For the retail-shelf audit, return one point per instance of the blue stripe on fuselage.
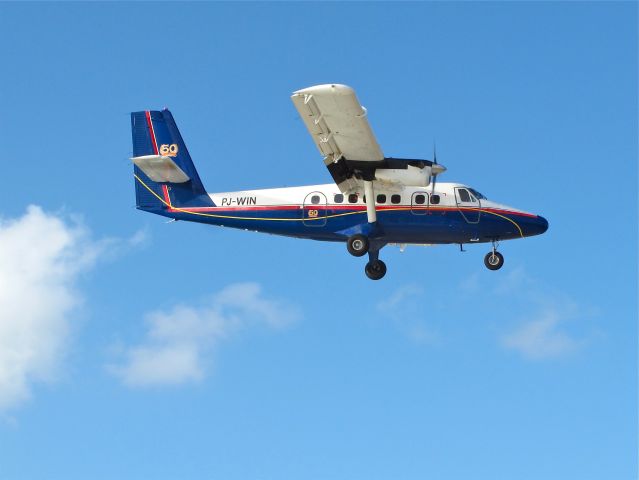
(398, 225)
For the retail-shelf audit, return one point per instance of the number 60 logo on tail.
(169, 150)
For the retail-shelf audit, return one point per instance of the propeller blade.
(433, 172)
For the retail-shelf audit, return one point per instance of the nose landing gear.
(494, 260)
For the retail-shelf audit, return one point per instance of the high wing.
(338, 125)
(337, 122)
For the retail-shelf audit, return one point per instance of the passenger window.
(352, 198)
(396, 199)
(381, 198)
(434, 199)
(463, 195)
(315, 199)
(339, 198)
(420, 199)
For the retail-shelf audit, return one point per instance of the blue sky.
(130, 348)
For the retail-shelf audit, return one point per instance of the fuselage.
(450, 213)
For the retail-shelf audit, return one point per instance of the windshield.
(477, 194)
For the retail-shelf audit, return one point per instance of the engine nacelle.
(410, 176)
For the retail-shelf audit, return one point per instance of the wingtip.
(334, 88)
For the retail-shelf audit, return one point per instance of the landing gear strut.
(359, 244)
(493, 259)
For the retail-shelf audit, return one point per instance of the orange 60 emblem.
(168, 150)
(312, 213)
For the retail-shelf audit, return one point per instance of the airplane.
(373, 201)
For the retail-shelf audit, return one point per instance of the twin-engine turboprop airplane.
(375, 200)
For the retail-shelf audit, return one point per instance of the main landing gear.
(493, 259)
(375, 269)
(358, 245)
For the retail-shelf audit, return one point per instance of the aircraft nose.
(537, 226)
(543, 224)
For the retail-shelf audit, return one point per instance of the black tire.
(375, 270)
(494, 261)
(357, 245)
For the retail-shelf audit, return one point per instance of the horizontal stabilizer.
(160, 169)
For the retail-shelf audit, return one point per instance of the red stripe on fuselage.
(151, 131)
(355, 208)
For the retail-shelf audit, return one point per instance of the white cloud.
(538, 321)
(542, 337)
(549, 332)
(41, 256)
(408, 309)
(178, 343)
(400, 299)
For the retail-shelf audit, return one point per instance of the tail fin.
(165, 176)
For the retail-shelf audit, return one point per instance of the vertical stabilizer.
(165, 175)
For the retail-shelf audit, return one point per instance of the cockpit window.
(464, 196)
(477, 194)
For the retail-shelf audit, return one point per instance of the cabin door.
(419, 203)
(468, 205)
(314, 209)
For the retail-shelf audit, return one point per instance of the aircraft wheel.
(375, 269)
(494, 260)
(357, 245)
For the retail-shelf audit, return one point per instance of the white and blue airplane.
(374, 201)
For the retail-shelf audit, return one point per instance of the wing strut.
(369, 193)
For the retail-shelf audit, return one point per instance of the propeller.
(435, 169)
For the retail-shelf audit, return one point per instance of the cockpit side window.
(464, 195)
(477, 194)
